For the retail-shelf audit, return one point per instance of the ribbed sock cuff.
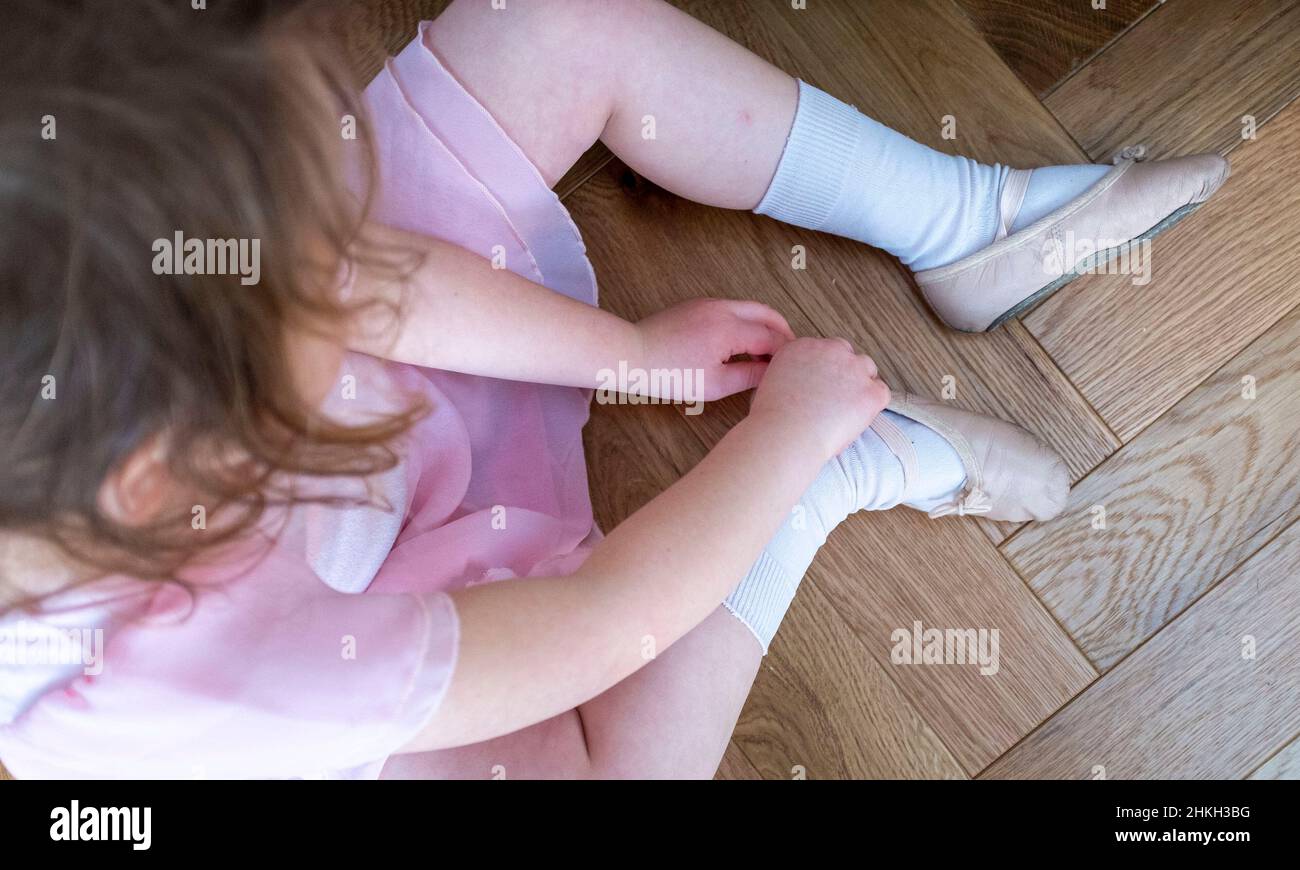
(762, 597)
(818, 154)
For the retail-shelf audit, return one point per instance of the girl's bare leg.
(671, 719)
(677, 101)
(704, 118)
(558, 76)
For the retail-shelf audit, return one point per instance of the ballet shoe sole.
(1100, 258)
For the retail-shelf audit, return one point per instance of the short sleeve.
(275, 675)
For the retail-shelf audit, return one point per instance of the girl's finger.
(735, 377)
(760, 313)
(756, 339)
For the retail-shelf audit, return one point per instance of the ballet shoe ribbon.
(1130, 152)
(976, 501)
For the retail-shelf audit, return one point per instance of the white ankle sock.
(866, 476)
(1051, 187)
(940, 472)
(847, 174)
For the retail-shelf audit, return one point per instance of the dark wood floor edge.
(740, 747)
(567, 186)
(1014, 76)
(1155, 6)
(1259, 123)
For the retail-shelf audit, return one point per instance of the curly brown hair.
(120, 124)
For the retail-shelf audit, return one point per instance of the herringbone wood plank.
(1046, 40)
(1184, 503)
(1183, 79)
(1213, 695)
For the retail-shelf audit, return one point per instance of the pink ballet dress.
(321, 653)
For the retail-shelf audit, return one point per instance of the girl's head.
(128, 395)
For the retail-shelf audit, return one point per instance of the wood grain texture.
(823, 708)
(905, 64)
(1183, 77)
(1284, 765)
(1218, 280)
(1044, 41)
(1185, 502)
(735, 766)
(1189, 703)
(946, 576)
(819, 703)
(591, 162)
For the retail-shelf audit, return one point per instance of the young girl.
(335, 522)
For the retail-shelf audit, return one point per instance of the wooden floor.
(1164, 642)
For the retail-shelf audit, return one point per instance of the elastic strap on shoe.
(900, 445)
(1013, 197)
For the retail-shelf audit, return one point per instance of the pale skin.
(557, 77)
(552, 677)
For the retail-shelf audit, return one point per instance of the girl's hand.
(700, 335)
(819, 388)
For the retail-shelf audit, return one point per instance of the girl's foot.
(896, 461)
(1032, 256)
(985, 241)
(1009, 473)
(922, 454)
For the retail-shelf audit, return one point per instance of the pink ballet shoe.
(1130, 203)
(1010, 474)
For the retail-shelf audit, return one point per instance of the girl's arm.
(460, 314)
(531, 649)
